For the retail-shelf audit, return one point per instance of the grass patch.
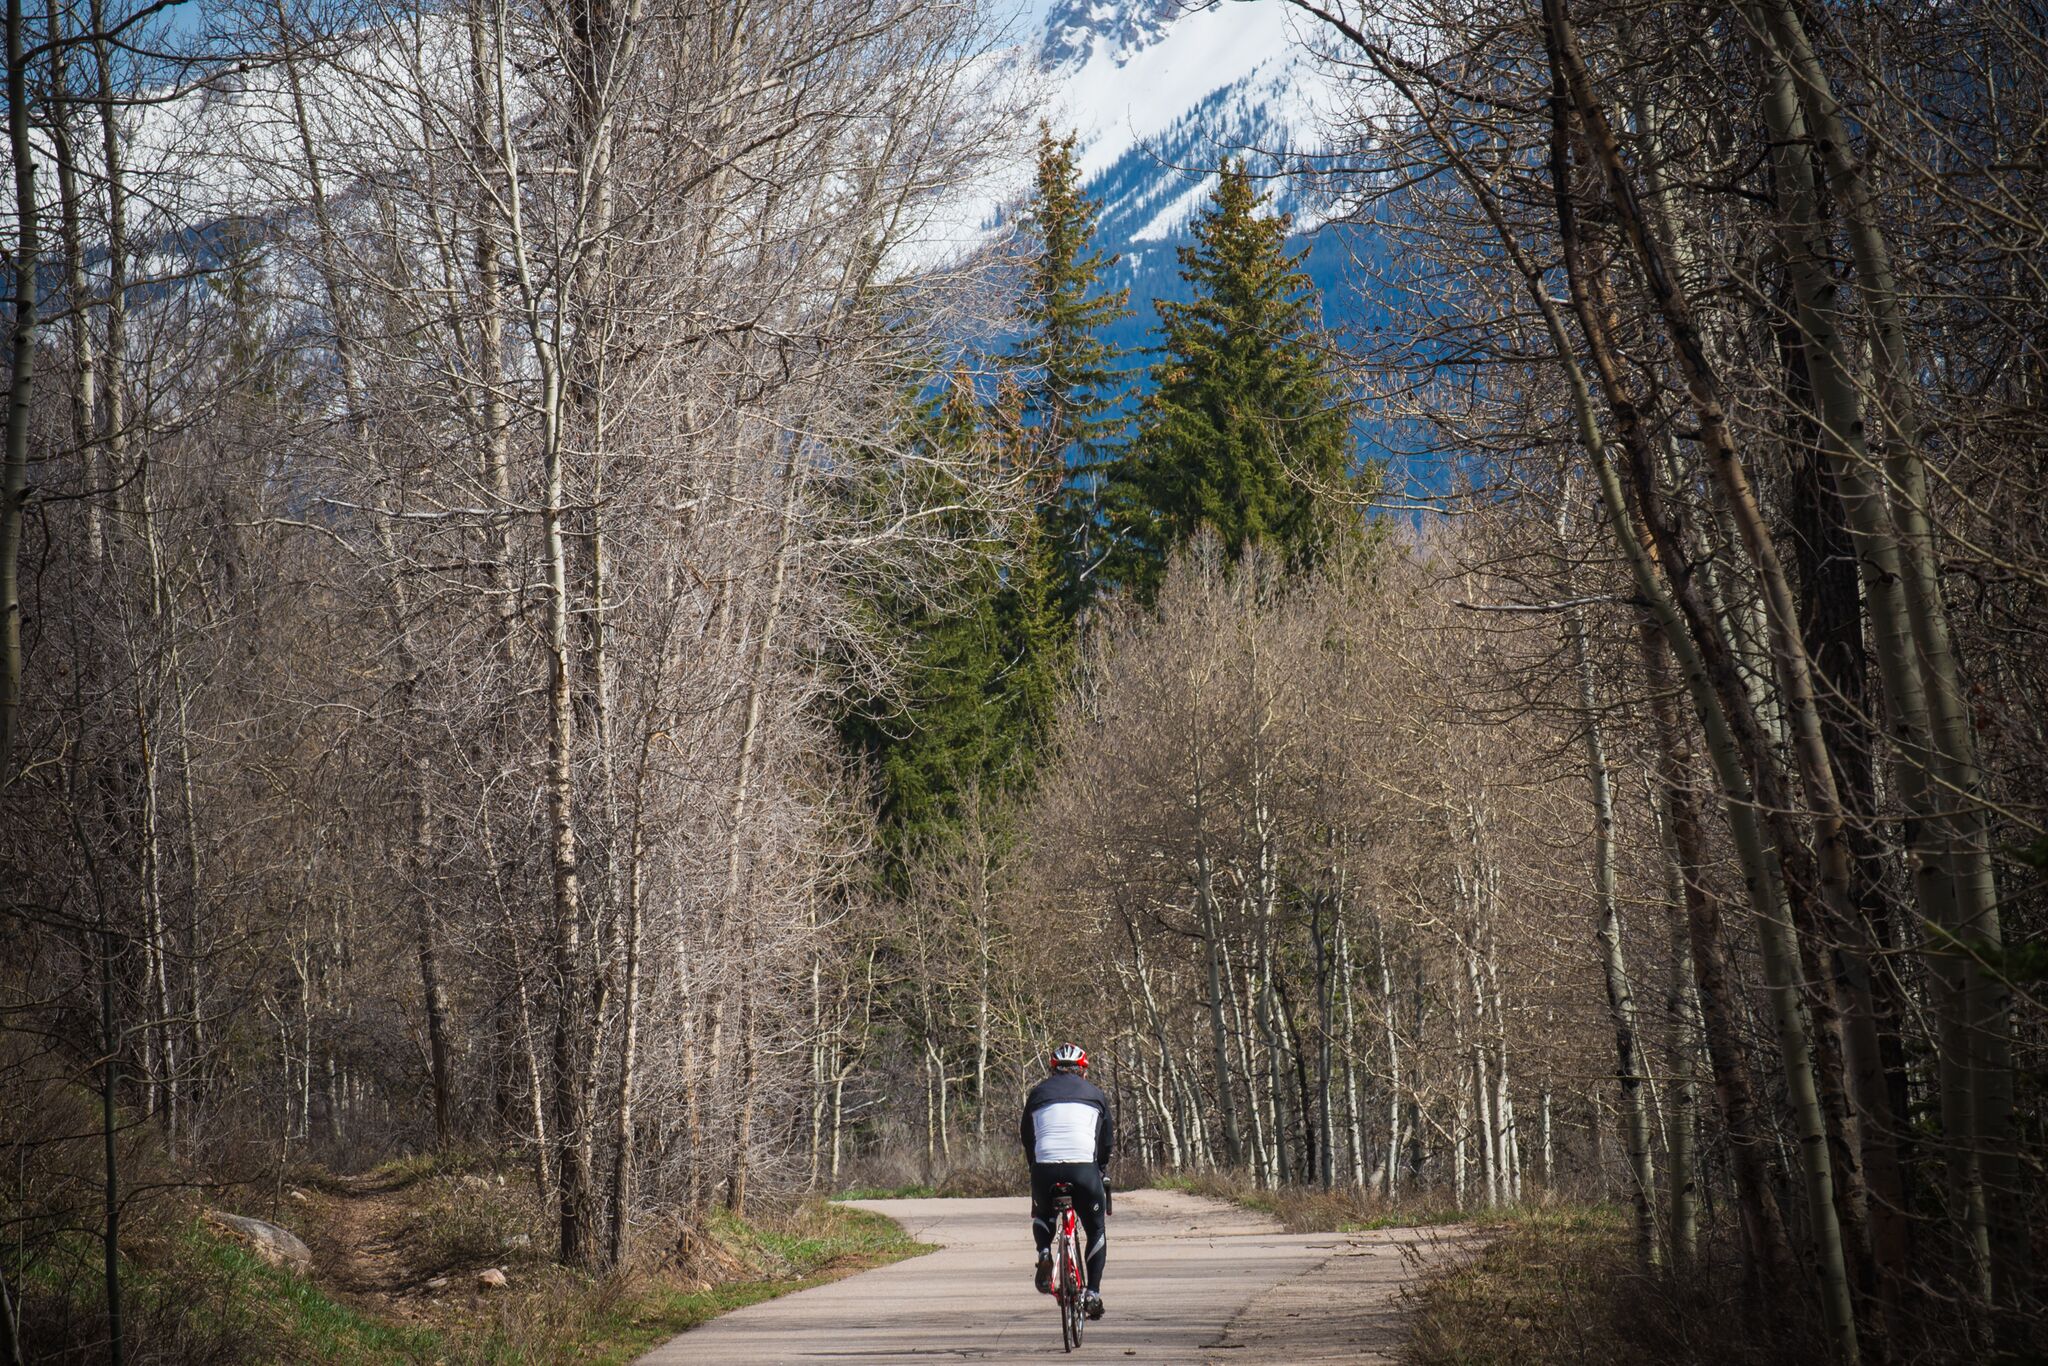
(888, 1193)
(191, 1296)
(297, 1320)
(813, 1244)
(1523, 1298)
(815, 1236)
(1562, 1285)
(397, 1173)
(409, 1169)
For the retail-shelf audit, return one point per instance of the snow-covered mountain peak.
(1075, 30)
(1159, 91)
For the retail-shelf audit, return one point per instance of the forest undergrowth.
(977, 1170)
(1561, 1284)
(398, 1253)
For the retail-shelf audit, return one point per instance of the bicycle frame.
(1069, 1268)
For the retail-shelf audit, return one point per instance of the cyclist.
(1067, 1135)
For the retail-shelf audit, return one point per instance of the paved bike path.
(1181, 1268)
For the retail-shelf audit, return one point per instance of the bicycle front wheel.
(1062, 1292)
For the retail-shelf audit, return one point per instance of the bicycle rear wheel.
(1077, 1291)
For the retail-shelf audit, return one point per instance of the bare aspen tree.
(24, 262)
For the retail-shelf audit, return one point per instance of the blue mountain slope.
(1158, 97)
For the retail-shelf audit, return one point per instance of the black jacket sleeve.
(1024, 1130)
(1105, 1138)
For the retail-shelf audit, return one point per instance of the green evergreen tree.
(970, 716)
(1033, 615)
(1072, 382)
(1245, 421)
(970, 713)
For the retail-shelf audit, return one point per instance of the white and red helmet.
(1070, 1056)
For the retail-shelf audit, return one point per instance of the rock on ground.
(277, 1246)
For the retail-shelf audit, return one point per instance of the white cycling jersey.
(1065, 1132)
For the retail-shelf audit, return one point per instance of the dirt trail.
(1190, 1281)
(356, 1234)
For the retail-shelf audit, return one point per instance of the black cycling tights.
(1086, 1179)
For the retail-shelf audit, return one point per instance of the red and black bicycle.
(1069, 1266)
